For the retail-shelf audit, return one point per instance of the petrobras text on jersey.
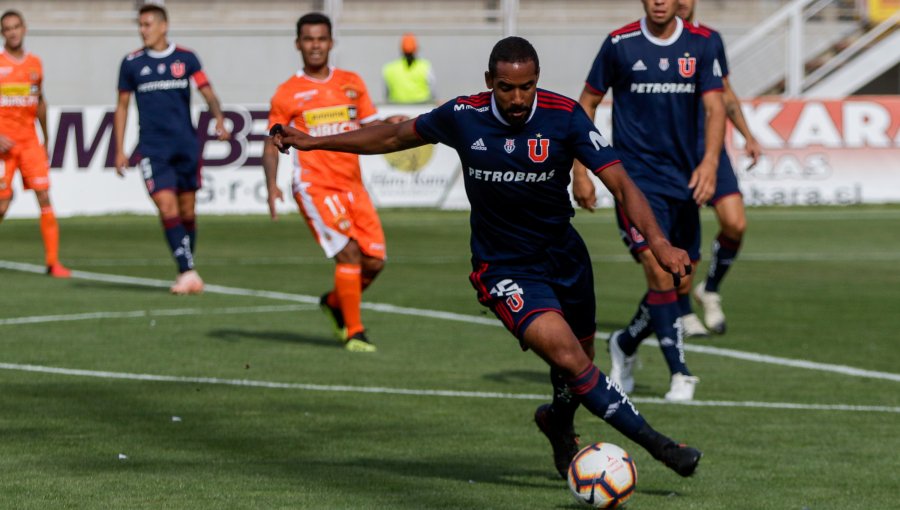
(663, 88)
(333, 129)
(152, 86)
(509, 175)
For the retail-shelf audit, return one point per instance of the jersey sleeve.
(721, 62)
(438, 125)
(195, 70)
(279, 113)
(366, 111)
(591, 148)
(710, 74)
(600, 77)
(126, 79)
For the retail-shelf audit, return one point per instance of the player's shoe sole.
(563, 440)
(693, 328)
(711, 302)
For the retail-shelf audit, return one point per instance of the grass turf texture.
(818, 284)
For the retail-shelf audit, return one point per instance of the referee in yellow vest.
(409, 80)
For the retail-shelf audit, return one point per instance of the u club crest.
(687, 66)
(510, 145)
(538, 149)
(177, 69)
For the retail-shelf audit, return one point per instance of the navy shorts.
(561, 280)
(678, 219)
(726, 180)
(176, 169)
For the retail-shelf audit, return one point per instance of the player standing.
(530, 267)
(662, 71)
(323, 100)
(159, 75)
(727, 200)
(21, 101)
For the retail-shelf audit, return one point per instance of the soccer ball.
(602, 475)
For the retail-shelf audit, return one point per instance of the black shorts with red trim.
(561, 280)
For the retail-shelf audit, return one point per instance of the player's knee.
(735, 229)
(4, 206)
(372, 266)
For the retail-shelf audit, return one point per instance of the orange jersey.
(20, 92)
(334, 105)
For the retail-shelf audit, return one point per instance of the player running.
(159, 75)
(727, 201)
(530, 267)
(662, 70)
(21, 101)
(323, 100)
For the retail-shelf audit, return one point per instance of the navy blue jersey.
(160, 81)
(517, 178)
(657, 96)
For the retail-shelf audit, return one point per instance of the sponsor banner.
(815, 152)
(881, 10)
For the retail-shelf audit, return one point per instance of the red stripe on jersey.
(200, 79)
(701, 30)
(604, 167)
(543, 94)
(595, 91)
(416, 131)
(553, 106)
(631, 27)
(719, 89)
(561, 101)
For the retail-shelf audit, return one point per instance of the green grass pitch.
(97, 368)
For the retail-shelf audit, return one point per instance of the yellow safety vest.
(407, 84)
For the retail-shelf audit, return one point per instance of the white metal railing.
(852, 50)
(792, 18)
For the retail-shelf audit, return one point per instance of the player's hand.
(703, 181)
(274, 194)
(584, 191)
(222, 134)
(285, 137)
(5, 144)
(673, 260)
(121, 164)
(753, 150)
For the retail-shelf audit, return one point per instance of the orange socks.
(348, 291)
(50, 233)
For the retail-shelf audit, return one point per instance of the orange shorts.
(336, 216)
(30, 158)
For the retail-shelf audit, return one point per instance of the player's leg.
(550, 337)
(7, 170)
(733, 223)
(35, 170)
(187, 201)
(690, 322)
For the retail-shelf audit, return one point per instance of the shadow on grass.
(291, 337)
(518, 376)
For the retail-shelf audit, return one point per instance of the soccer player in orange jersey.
(21, 101)
(323, 100)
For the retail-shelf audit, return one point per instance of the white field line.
(37, 319)
(419, 392)
(469, 319)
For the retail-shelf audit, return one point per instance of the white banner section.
(816, 152)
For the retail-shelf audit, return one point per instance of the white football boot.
(692, 326)
(682, 388)
(621, 371)
(712, 308)
(188, 282)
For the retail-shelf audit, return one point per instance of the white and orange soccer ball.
(602, 475)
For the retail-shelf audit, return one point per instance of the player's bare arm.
(42, 120)
(673, 260)
(372, 140)
(736, 115)
(703, 180)
(120, 118)
(215, 108)
(270, 166)
(393, 119)
(582, 186)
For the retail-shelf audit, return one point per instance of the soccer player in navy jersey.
(516, 144)
(661, 70)
(159, 75)
(727, 200)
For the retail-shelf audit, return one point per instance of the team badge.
(510, 145)
(177, 69)
(538, 149)
(663, 64)
(351, 93)
(687, 66)
(161, 68)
